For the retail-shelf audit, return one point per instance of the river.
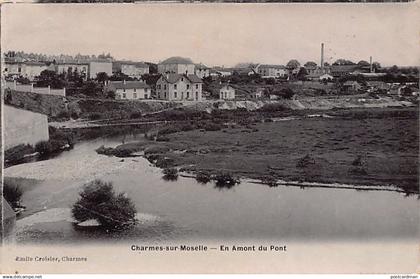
(187, 210)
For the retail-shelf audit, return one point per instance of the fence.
(39, 90)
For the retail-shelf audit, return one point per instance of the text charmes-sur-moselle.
(205, 248)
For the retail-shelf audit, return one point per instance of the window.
(19, 69)
(145, 96)
(123, 89)
(196, 96)
(124, 96)
(174, 86)
(135, 95)
(164, 86)
(5, 69)
(188, 86)
(175, 95)
(188, 95)
(196, 86)
(158, 87)
(134, 89)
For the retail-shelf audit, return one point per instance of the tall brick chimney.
(322, 56)
(370, 64)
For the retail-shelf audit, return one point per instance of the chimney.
(371, 66)
(322, 56)
(124, 82)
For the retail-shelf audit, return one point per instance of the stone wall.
(23, 127)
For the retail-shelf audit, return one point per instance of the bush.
(203, 177)
(225, 180)
(94, 116)
(99, 202)
(44, 148)
(170, 174)
(18, 152)
(12, 193)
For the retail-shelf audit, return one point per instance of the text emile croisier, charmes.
(51, 259)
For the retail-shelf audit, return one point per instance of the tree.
(91, 88)
(363, 63)
(102, 77)
(310, 64)
(98, 201)
(302, 73)
(50, 78)
(343, 62)
(293, 64)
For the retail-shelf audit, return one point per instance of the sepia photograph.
(242, 138)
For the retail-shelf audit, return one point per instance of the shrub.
(135, 115)
(170, 174)
(63, 115)
(18, 152)
(203, 177)
(12, 193)
(94, 116)
(225, 180)
(99, 202)
(43, 148)
(109, 151)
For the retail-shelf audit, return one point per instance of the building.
(129, 90)
(351, 86)
(227, 92)
(272, 71)
(202, 71)
(179, 87)
(99, 66)
(71, 67)
(326, 77)
(177, 65)
(27, 69)
(220, 72)
(338, 71)
(257, 94)
(131, 69)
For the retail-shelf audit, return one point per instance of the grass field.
(368, 151)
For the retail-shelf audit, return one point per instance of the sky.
(218, 34)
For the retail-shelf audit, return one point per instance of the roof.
(343, 68)
(201, 67)
(173, 78)
(350, 82)
(127, 85)
(177, 60)
(272, 66)
(137, 64)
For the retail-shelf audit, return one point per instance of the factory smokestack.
(322, 56)
(371, 66)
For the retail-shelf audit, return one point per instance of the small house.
(129, 90)
(227, 92)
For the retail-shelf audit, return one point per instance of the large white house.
(129, 90)
(27, 69)
(177, 87)
(227, 92)
(177, 65)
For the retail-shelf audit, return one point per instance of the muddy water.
(187, 210)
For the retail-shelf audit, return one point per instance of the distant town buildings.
(177, 65)
(131, 69)
(71, 67)
(202, 71)
(129, 90)
(179, 87)
(99, 66)
(272, 71)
